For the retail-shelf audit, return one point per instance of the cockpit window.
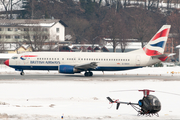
(14, 57)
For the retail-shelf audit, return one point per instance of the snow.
(85, 98)
(40, 24)
(178, 47)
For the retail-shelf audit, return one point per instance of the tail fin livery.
(157, 44)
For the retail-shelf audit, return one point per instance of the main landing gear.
(88, 74)
(22, 73)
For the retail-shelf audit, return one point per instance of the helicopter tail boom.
(118, 102)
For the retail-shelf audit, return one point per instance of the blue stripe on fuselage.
(56, 68)
(115, 68)
(35, 67)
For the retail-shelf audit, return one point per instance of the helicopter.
(149, 105)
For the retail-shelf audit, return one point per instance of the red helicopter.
(149, 104)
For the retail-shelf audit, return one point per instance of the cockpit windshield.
(14, 57)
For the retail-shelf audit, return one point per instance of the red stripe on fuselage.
(163, 33)
(29, 56)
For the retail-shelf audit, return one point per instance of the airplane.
(77, 62)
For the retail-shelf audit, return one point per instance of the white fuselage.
(105, 61)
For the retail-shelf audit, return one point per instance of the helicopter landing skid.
(141, 113)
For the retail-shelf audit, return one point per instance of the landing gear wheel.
(88, 74)
(22, 73)
(91, 73)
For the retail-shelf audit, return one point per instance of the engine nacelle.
(68, 69)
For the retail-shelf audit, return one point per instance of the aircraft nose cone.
(6, 62)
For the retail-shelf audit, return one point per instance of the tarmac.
(81, 77)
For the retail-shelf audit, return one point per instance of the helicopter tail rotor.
(116, 101)
(110, 100)
(117, 107)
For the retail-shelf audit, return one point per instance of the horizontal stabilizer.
(163, 57)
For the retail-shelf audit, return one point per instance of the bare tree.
(77, 28)
(2, 43)
(114, 28)
(8, 6)
(143, 26)
(35, 35)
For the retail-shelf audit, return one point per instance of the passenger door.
(138, 60)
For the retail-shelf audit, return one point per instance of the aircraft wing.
(87, 66)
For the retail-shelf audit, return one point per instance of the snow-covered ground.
(84, 99)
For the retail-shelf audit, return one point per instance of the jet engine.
(68, 69)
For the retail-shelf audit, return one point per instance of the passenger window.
(49, 58)
(62, 58)
(54, 58)
(57, 58)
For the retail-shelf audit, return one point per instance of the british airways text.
(44, 62)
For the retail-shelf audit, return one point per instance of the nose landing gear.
(22, 73)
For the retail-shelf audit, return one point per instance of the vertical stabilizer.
(157, 44)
